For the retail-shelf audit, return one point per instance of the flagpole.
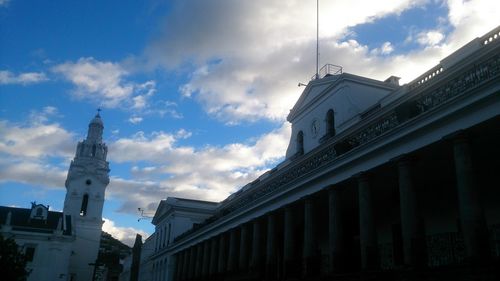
(317, 39)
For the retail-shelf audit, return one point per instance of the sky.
(194, 93)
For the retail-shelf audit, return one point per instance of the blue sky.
(194, 94)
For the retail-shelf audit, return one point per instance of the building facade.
(65, 245)
(380, 181)
(173, 218)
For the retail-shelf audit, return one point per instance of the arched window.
(39, 212)
(85, 202)
(93, 150)
(300, 143)
(330, 123)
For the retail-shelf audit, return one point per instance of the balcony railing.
(328, 70)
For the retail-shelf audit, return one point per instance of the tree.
(12, 261)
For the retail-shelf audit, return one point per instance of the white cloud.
(135, 120)
(7, 77)
(430, 38)
(125, 234)
(247, 57)
(162, 166)
(28, 151)
(35, 140)
(105, 83)
(37, 117)
(37, 173)
(385, 49)
(208, 173)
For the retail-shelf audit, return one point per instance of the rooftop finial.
(98, 111)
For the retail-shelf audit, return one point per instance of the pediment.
(316, 90)
(313, 91)
(160, 211)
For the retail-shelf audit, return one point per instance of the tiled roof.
(20, 220)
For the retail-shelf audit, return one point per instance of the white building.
(173, 218)
(380, 182)
(63, 245)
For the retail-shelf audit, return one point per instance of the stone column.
(172, 267)
(473, 221)
(291, 267)
(271, 262)
(244, 237)
(179, 263)
(335, 232)
(232, 262)
(185, 266)
(310, 254)
(192, 263)
(199, 260)
(222, 260)
(257, 255)
(213, 257)
(367, 232)
(206, 258)
(411, 224)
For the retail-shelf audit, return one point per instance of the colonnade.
(284, 243)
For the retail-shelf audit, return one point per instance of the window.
(30, 253)
(85, 202)
(39, 212)
(164, 235)
(300, 143)
(168, 233)
(93, 150)
(330, 123)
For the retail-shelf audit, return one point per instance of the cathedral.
(381, 181)
(64, 245)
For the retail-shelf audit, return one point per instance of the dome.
(97, 120)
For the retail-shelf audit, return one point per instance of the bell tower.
(88, 177)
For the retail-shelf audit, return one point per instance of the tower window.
(93, 150)
(300, 143)
(88, 182)
(85, 202)
(330, 123)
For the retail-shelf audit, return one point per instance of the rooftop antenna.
(317, 39)
(143, 215)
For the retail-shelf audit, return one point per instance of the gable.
(313, 91)
(347, 95)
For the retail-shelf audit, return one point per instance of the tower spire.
(96, 128)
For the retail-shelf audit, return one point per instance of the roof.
(20, 221)
(187, 205)
(320, 87)
(97, 120)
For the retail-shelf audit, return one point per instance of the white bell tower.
(86, 183)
